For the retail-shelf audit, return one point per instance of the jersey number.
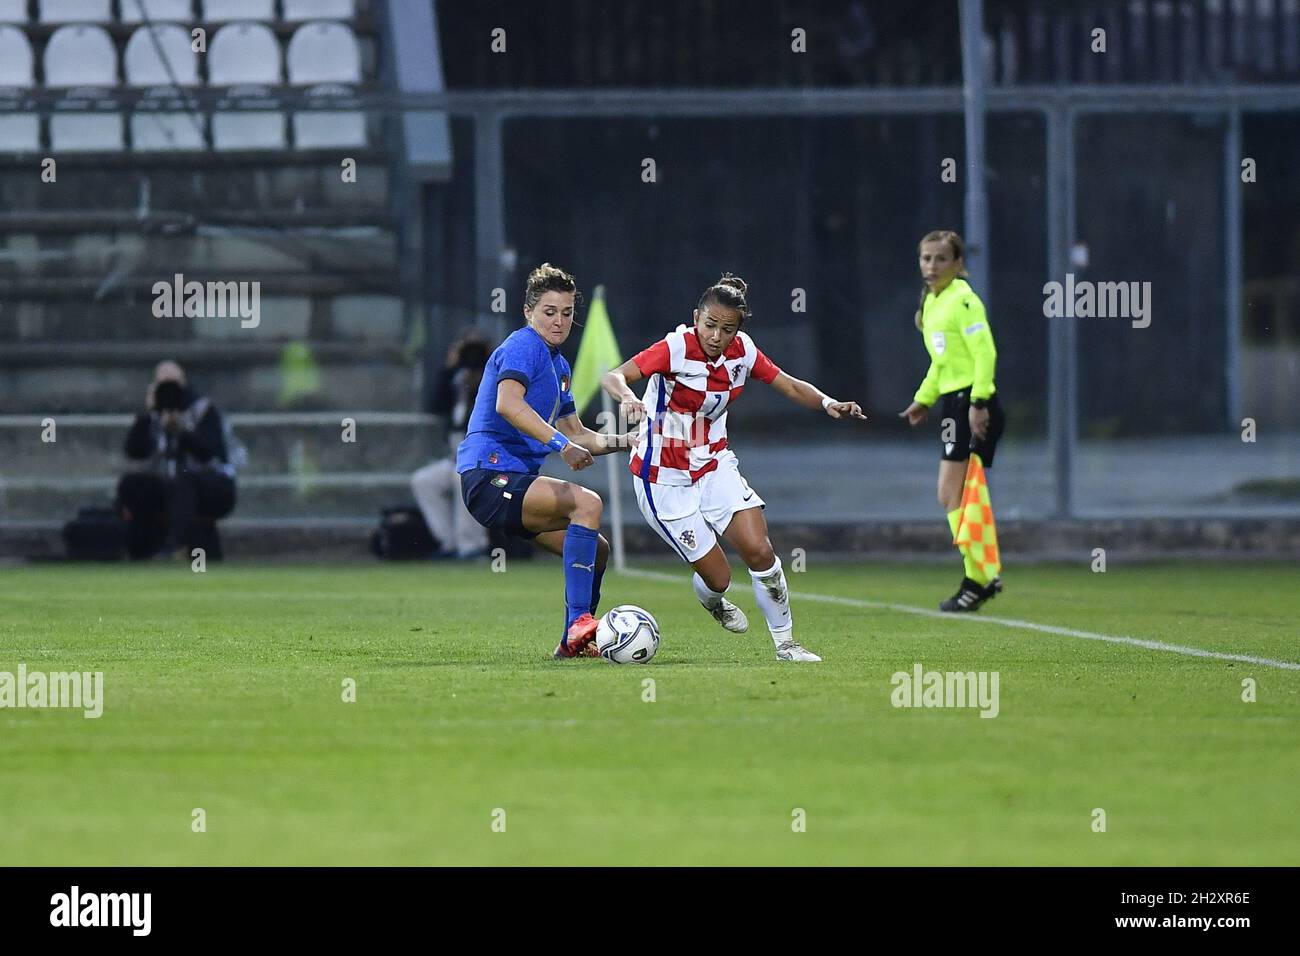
(716, 405)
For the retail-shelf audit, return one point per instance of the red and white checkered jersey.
(686, 403)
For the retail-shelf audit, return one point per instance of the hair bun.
(728, 291)
(549, 278)
(735, 282)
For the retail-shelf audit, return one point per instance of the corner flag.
(597, 353)
(977, 535)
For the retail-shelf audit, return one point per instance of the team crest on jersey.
(492, 458)
(564, 383)
(939, 342)
(735, 372)
(500, 481)
(688, 538)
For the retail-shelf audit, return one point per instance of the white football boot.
(729, 616)
(793, 651)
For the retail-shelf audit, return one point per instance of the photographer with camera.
(189, 483)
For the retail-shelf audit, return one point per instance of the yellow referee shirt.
(960, 343)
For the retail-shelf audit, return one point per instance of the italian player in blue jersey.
(524, 411)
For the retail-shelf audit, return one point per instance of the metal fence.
(827, 192)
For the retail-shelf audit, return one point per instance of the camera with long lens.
(168, 397)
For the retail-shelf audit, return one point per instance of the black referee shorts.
(954, 421)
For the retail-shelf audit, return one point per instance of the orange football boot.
(578, 642)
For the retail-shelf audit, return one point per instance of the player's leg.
(955, 441)
(970, 593)
(673, 511)
(952, 477)
(977, 585)
(711, 580)
(732, 506)
(528, 506)
(551, 505)
(553, 541)
(747, 533)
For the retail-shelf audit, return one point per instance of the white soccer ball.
(627, 634)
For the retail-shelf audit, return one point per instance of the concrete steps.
(285, 308)
(274, 184)
(86, 447)
(347, 495)
(49, 379)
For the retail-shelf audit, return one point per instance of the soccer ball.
(627, 634)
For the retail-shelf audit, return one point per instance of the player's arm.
(616, 383)
(810, 396)
(597, 443)
(979, 342)
(926, 395)
(512, 407)
(984, 355)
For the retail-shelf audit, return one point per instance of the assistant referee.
(963, 360)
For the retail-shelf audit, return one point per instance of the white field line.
(1005, 622)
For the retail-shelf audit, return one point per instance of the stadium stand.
(77, 262)
(75, 11)
(159, 58)
(156, 11)
(296, 10)
(19, 131)
(220, 10)
(83, 59)
(16, 60)
(246, 57)
(325, 57)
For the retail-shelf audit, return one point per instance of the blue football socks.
(579, 571)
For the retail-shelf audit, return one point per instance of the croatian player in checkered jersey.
(688, 482)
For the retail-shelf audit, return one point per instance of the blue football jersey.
(490, 440)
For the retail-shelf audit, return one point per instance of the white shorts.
(690, 517)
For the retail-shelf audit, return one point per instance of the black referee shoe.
(971, 595)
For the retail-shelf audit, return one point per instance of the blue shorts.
(496, 499)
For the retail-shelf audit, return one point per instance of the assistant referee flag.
(977, 536)
(597, 354)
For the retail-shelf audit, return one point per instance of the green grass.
(223, 691)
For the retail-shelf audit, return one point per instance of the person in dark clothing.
(189, 481)
(436, 486)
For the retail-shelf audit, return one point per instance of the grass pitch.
(223, 691)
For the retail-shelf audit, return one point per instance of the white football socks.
(708, 597)
(774, 601)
